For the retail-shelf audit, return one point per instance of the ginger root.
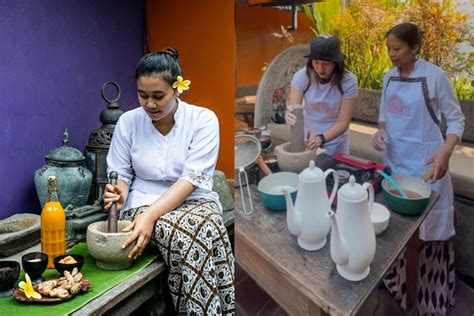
(69, 284)
(45, 288)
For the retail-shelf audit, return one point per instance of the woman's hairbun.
(173, 52)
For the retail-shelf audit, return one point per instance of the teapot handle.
(336, 183)
(367, 186)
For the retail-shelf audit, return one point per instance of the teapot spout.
(338, 248)
(292, 216)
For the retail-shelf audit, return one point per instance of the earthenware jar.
(73, 178)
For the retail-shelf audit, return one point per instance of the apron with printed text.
(413, 136)
(318, 118)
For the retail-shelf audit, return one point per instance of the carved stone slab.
(19, 232)
(274, 88)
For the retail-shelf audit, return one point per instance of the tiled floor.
(252, 300)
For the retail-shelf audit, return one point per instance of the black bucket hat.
(325, 47)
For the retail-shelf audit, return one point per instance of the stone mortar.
(106, 248)
(293, 162)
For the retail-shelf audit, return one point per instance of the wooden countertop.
(304, 282)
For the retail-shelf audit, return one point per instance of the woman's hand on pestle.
(113, 194)
(290, 118)
(142, 227)
(313, 141)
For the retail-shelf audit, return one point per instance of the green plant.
(321, 13)
(360, 27)
(443, 28)
(463, 86)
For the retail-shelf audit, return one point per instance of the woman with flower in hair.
(165, 153)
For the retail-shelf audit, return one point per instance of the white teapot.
(306, 219)
(352, 233)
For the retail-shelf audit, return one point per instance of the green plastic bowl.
(410, 206)
(269, 189)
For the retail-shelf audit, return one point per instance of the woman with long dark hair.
(328, 92)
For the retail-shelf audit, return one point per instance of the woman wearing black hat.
(328, 92)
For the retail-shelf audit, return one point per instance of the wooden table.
(307, 283)
(127, 296)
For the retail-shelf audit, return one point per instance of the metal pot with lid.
(73, 178)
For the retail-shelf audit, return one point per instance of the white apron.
(414, 136)
(318, 118)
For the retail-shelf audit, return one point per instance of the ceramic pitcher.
(306, 218)
(352, 233)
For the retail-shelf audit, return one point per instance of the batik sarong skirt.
(195, 246)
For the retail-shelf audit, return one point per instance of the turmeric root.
(69, 277)
(45, 288)
(75, 288)
(78, 277)
(69, 284)
(59, 292)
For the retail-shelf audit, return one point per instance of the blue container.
(270, 190)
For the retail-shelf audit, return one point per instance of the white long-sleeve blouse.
(151, 162)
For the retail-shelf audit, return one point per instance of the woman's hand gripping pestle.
(112, 222)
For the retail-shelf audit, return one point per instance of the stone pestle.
(112, 221)
(297, 130)
(106, 238)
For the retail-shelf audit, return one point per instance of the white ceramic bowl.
(380, 216)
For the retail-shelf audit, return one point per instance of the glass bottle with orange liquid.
(53, 224)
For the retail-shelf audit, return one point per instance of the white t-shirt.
(150, 162)
(322, 103)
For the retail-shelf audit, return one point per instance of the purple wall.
(54, 57)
